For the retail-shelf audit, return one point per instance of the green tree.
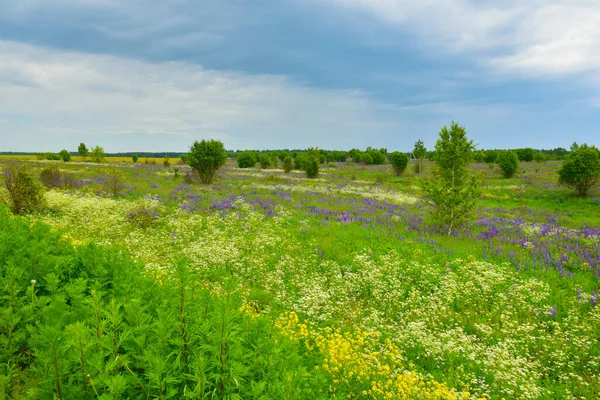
(25, 192)
(581, 169)
(97, 154)
(312, 162)
(525, 154)
(134, 158)
(247, 159)
(399, 162)
(206, 157)
(288, 164)
(166, 161)
(453, 190)
(264, 160)
(65, 155)
(419, 152)
(490, 156)
(82, 150)
(377, 156)
(508, 161)
(539, 157)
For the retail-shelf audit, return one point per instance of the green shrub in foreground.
(399, 162)
(91, 323)
(25, 192)
(581, 169)
(508, 161)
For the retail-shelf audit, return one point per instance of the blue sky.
(150, 75)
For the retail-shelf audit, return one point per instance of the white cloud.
(534, 37)
(49, 90)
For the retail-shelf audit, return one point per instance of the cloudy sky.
(155, 75)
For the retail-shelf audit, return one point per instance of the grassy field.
(344, 272)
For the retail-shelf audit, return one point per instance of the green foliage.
(399, 162)
(206, 157)
(97, 154)
(91, 323)
(247, 159)
(490, 156)
(51, 177)
(264, 160)
(311, 165)
(65, 155)
(25, 192)
(420, 152)
(508, 161)
(300, 161)
(366, 158)
(539, 157)
(525, 154)
(134, 158)
(377, 157)
(166, 161)
(288, 164)
(113, 183)
(82, 150)
(581, 169)
(453, 190)
(282, 155)
(479, 156)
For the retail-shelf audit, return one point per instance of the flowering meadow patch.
(352, 275)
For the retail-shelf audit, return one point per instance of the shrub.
(206, 157)
(25, 192)
(264, 160)
(82, 150)
(490, 156)
(134, 158)
(508, 161)
(288, 164)
(453, 190)
(300, 161)
(51, 177)
(539, 157)
(311, 166)
(97, 154)
(377, 157)
(581, 169)
(525, 154)
(419, 152)
(113, 183)
(65, 155)
(479, 156)
(399, 162)
(366, 158)
(166, 162)
(175, 173)
(247, 159)
(190, 176)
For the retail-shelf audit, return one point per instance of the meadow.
(334, 287)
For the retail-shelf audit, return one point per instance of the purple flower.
(594, 298)
(552, 312)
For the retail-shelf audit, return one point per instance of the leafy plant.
(581, 169)
(82, 150)
(166, 162)
(264, 160)
(134, 158)
(311, 166)
(206, 157)
(399, 162)
(25, 192)
(288, 164)
(247, 159)
(419, 152)
(453, 191)
(97, 154)
(65, 155)
(508, 161)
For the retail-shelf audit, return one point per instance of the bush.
(288, 164)
(206, 157)
(539, 157)
(300, 161)
(377, 157)
(312, 163)
(399, 162)
(508, 161)
(166, 162)
(134, 158)
(581, 169)
(366, 158)
(25, 192)
(65, 155)
(525, 154)
(82, 150)
(264, 160)
(247, 159)
(490, 156)
(51, 177)
(113, 183)
(97, 154)
(453, 190)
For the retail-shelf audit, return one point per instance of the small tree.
(97, 154)
(264, 160)
(247, 159)
(166, 162)
(206, 157)
(525, 154)
(26, 193)
(539, 157)
(508, 161)
(134, 158)
(490, 156)
(399, 162)
(453, 190)
(288, 164)
(581, 169)
(419, 152)
(65, 155)
(82, 150)
(312, 162)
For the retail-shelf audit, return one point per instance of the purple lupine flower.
(594, 298)
(552, 312)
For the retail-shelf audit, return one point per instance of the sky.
(156, 75)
